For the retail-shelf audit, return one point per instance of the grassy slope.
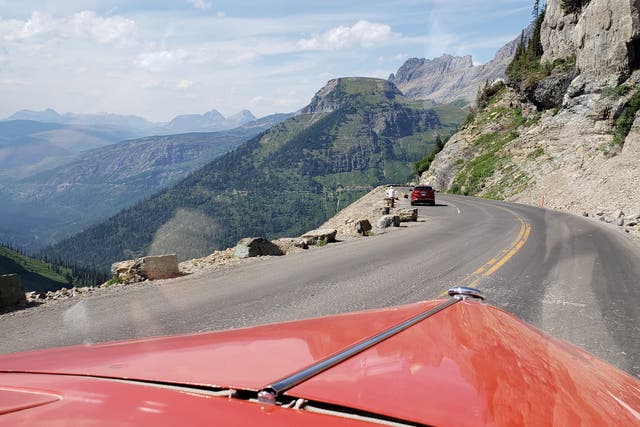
(36, 275)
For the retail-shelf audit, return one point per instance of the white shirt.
(391, 193)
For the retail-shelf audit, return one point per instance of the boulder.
(550, 91)
(256, 246)
(326, 235)
(11, 291)
(407, 215)
(146, 268)
(361, 227)
(127, 271)
(388, 221)
(160, 266)
(289, 244)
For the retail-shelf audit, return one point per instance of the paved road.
(573, 277)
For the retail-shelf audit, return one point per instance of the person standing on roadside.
(391, 196)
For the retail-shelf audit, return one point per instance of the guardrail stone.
(11, 291)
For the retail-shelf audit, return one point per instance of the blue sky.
(159, 59)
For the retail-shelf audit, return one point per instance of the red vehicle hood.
(471, 364)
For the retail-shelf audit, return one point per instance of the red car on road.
(423, 194)
(455, 362)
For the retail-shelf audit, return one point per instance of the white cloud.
(184, 84)
(102, 30)
(200, 4)
(37, 24)
(362, 33)
(85, 24)
(283, 101)
(150, 84)
(4, 55)
(158, 61)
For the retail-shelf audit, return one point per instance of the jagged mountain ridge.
(450, 78)
(105, 119)
(356, 133)
(210, 121)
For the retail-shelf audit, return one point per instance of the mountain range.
(62, 195)
(210, 121)
(46, 206)
(355, 133)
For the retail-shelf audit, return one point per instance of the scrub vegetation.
(626, 118)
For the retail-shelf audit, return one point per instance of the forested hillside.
(39, 275)
(56, 203)
(355, 134)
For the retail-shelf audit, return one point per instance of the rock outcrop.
(146, 268)
(256, 246)
(604, 37)
(324, 235)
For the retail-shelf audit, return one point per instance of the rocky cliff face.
(604, 37)
(583, 155)
(451, 78)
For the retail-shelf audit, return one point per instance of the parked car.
(423, 194)
(454, 362)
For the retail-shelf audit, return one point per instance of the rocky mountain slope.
(356, 133)
(43, 208)
(450, 78)
(566, 133)
(27, 145)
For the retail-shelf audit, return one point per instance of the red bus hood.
(471, 364)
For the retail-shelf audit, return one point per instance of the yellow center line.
(499, 260)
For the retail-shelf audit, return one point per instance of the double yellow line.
(499, 260)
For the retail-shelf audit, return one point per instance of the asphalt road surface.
(575, 278)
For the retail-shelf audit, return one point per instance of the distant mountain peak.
(415, 68)
(342, 91)
(449, 78)
(243, 116)
(213, 115)
(208, 122)
(49, 116)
